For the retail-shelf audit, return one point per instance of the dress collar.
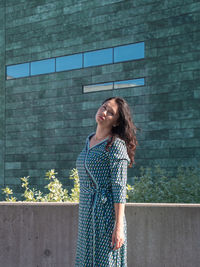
(88, 141)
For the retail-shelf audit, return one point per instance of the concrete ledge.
(44, 234)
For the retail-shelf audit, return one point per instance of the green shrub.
(155, 185)
(56, 191)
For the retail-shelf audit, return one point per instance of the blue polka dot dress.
(102, 177)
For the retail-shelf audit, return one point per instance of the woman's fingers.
(117, 239)
(113, 238)
(118, 243)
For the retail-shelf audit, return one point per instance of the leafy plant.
(56, 191)
(74, 196)
(7, 191)
(152, 185)
(155, 185)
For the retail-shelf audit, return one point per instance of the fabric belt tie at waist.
(102, 192)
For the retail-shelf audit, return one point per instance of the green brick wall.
(2, 90)
(47, 117)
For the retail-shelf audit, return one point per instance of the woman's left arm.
(118, 168)
(118, 233)
(119, 213)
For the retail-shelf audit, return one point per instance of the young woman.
(102, 168)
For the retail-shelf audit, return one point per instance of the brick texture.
(2, 91)
(48, 117)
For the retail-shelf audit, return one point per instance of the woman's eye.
(108, 112)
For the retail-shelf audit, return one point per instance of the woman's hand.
(118, 236)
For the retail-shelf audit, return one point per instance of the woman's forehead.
(112, 104)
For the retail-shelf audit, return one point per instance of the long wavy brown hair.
(125, 129)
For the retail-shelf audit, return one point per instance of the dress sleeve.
(119, 161)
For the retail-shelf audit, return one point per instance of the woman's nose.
(104, 112)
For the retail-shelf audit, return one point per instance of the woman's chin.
(99, 120)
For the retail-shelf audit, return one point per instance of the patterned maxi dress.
(103, 177)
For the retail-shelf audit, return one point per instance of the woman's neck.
(102, 133)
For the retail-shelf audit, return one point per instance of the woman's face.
(107, 115)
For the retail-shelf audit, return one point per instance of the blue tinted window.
(99, 57)
(128, 52)
(69, 62)
(97, 87)
(43, 66)
(17, 71)
(77, 61)
(128, 83)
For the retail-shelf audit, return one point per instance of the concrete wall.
(47, 117)
(44, 234)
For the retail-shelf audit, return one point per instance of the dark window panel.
(129, 52)
(17, 71)
(99, 57)
(69, 62)
(43, 66)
